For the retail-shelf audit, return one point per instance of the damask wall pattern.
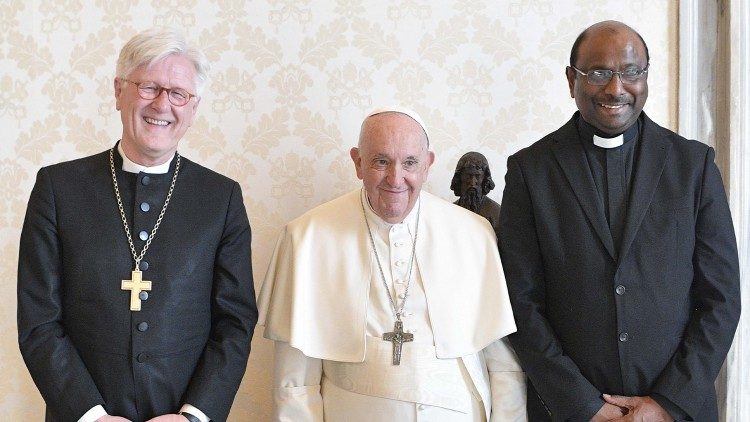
(289, 85)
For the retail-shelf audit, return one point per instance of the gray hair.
(155, 44)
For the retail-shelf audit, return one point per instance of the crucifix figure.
(136, 284)
(398, 337)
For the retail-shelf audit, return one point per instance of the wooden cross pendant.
(398, 337)
(136, 284)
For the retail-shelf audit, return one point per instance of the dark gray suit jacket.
(79, 339)
(658, 318)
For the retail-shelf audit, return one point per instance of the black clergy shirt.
(612, 170)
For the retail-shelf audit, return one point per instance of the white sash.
(421, 377)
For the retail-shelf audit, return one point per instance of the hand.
(169, 418)
(109, 418)
(640, 409)
(608, 412)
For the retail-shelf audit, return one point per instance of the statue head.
(472, 180)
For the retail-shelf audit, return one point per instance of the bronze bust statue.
(471, 182)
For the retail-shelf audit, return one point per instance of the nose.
(395, 174)
(614, 86)
(161, 102)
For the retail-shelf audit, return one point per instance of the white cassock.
(324, 304)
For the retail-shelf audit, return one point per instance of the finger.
(622, 401)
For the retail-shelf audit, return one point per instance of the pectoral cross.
(136, 284)
(398, 337)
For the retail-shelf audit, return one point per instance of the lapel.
(572, 159)
(653, 153)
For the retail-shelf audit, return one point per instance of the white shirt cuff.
(195, 412)
(93, 414)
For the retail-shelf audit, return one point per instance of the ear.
(571, 74)
(430, 160)
(118, 92)
(357, 160)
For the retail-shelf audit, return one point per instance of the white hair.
(155, 44)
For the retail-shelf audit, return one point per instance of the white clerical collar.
(131, 167)
(378, 221)
(609, 142)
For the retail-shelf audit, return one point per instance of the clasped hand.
(631, 409)
(162, 418)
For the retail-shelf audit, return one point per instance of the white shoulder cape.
(315, 292)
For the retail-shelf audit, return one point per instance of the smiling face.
(614, 107)
(392, 161)
(151, 129)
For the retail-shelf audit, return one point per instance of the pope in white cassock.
(388, 303)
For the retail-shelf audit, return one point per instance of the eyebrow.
(597, 66)
(381, 155)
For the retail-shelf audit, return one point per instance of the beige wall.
(289, 85)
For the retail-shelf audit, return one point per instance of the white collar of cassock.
(609, 142)
(383, 226)
(131, 167)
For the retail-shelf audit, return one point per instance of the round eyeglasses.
(150, 90)
(630, 75)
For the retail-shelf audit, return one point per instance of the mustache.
(470, 199)
(624, 98)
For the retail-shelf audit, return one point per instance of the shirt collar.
(131, 167)
(375, 220)
(602, 140)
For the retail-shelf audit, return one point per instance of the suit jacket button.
(145, 206)
(143, 295)
(145, 180)
(620, 290)
(143, 326)
(144, 266)
(141, 357)
(143, 235)
(623, 337)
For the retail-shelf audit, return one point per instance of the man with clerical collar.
(135, 288)
(471, 182)
(388, 303)
(619, 251)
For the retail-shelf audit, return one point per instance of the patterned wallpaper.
(290, 82)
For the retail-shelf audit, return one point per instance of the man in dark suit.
(619, 252)
(135, 290)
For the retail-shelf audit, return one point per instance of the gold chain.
(137, 257)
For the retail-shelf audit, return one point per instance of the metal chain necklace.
(136, 284)
(398, 337)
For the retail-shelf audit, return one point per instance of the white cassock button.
(421, 407)
(401, 296)
(399, 263)
(398, 244)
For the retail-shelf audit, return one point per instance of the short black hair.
(582, 36)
